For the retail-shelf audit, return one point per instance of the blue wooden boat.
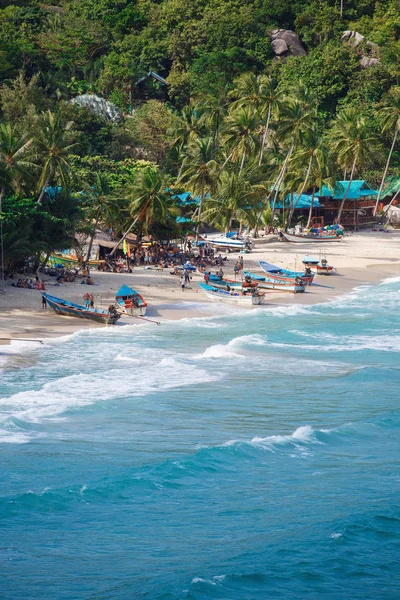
(131, 301)
(295, 285)
(69, 309)
(278, 272)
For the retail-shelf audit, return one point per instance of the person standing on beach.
(86, 298)
(44, 303)
(91, 300)
(183, 284)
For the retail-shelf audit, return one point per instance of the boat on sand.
(70, 309)
(321, 267)
(270, 283)
(131, 302)
(310, 237)
(275, 272)
(252, 298)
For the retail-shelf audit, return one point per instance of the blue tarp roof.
(359, 188)
(303, 203)
(125, 291)
(183, 220)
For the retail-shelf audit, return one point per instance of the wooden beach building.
(358, 209)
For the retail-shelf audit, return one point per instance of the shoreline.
(21, 317)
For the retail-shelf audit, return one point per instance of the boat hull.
(303, 239)
(284, 275)
(63, 307)
(218, 295)
(270, 283)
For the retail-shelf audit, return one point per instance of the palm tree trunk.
(291, 213)
(311, 209)
(242, 162)
(91, 240)
(42, 191)
(280, 179)
(353, 168)
(385, 172)
(199, 214)
(264, 136)
(127, 232)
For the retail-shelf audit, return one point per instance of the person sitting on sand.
(89, 280)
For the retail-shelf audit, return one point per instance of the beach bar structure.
(358, 209)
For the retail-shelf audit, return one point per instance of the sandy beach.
(363, 258)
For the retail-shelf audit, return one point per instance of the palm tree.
(352, 144)
(258, 92)
(296, 118)
(212, 110)
(235, 199)
(200, 171)
(391, 122)
(103, 206)
(304, 159)
(323, 172)
(53, 145)
(240, 134)
(14, 166)
(148, 201)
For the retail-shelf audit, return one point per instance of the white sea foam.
(336, 536)
(234, 348)
(305, 434)
(77, 391)
(384, 342)
(389, 280)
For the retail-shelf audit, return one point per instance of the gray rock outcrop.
(370, 58)
(99, 106)
(353, 38)
(369, 61)
(285, 42)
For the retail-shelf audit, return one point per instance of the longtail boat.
(233, 297)
(69, 309)
(69, 260)
(271, 283)
(285, 274)
(318, 266)
(310, 237)
(131, 301)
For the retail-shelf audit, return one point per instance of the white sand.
(365, 257)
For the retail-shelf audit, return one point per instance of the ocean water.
(253, 455)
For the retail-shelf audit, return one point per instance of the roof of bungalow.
(393, 186)
(359, 188)
(187, 198)
(303, 202)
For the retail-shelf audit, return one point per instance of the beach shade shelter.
(358, 207)
(391, 193)
(302, 203)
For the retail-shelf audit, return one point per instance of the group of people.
(89, 300)
(29, 284)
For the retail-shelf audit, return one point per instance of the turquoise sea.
(253, 455)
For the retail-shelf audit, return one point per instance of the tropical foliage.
(237, 127)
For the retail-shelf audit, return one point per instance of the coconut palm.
(15, 163)
(103, 206)
(390, 122)
(200, 171)
(235, 199)
(147, 201)
(240, 134)
(212, 110)
(352, 143)
(323, 172)
(260, 93)
(296, 118)
(53, 143)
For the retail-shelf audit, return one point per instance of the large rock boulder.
(99, 106)
(353, 38)
(368, 61)
(285, 42)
